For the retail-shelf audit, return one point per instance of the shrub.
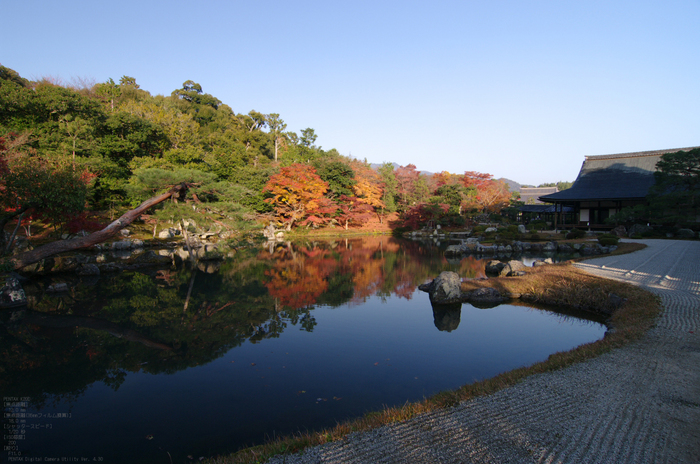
(541, 225)
(575, 234)
(608, 239)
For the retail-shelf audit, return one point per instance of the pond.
(172, 363)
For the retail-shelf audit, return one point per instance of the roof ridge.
(637, 154)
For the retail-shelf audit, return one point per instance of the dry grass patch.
(561, 285)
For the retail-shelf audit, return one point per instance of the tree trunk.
(14, 234)
(3, 222)
(50, 249)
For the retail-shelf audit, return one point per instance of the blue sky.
(517, 89)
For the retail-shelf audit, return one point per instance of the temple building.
(605, 185)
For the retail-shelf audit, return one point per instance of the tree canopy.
(113, 143)
(675, 196)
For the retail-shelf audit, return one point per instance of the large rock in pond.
(445, 289)
(454, 251)
(513, 268)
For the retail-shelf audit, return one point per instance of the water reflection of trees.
(165, 320)
(342, 271)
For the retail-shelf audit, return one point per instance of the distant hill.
(376, 166)
(512, 185)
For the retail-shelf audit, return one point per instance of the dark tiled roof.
(614, 177)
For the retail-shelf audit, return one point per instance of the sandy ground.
(637, 404)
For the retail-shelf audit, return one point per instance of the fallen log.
(60, 246)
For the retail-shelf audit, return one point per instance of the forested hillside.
(65, 149)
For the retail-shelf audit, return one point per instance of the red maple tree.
(297, 194)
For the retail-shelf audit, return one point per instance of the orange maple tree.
(406, 178)
(297, 194)
(443, 178)
(369, 187)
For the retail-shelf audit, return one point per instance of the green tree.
(339, 176)
(675, 196)
(11, 75)
(109, 90)
(180, 128)
(451, 194)
(53, 190)
(80, 135)
(193, 93)
(390, 192)
(277, 127)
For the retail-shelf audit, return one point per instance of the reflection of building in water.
(447, 316)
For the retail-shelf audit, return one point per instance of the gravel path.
(637, 404)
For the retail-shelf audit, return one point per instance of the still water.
(173, 363)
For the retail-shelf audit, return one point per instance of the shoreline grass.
(561, 285)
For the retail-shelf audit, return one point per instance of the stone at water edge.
(88, 270)
(512, 268)
(454, 250)
(446, 288)
(485, 295)
(550, 246)
(494, 267)
(58, 287)
(11, 294)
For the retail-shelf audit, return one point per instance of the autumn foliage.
(488, 195)
(37, 187)
(369, 187)
(300, 277)
(353, 211)
(297, 194)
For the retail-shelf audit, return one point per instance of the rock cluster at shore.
(473, 246)
(446, 289)
(133, 254)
